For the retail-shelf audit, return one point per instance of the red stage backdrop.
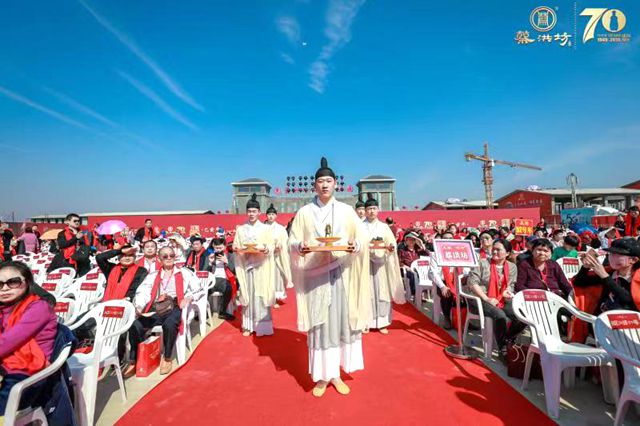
(206, 224)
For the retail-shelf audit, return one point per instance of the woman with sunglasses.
(28, 327)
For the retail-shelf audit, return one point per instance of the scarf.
(194, 259)
(630, 226)
(142, 263)
(69, 251)
(118, 283)
(29, 357)
(495, 290)
(122, 241)
(449, 278)
(484, 255)
(148, 233)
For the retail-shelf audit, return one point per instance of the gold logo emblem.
(543, 18)
(613, 21)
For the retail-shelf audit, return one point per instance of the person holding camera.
(222, 265)
(74, 248)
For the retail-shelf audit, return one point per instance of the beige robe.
(311, 271)
(388, 276)
(262, 264)
(282, 259)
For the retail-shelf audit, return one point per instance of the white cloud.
(289, 26)
(34, 105)
(156, 99)
(166, 79)
(339, 19)
(287, 58)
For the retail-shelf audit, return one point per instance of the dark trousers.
(412, 281)
(500, 317)
(222, 286)
(446, 303)
(28, 397)
(170, 325)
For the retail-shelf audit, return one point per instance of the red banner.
(207, 224)
(524, 227)
(54, 276)
(624, 321)
(61, 307)
(534, 295)
(87, 286)
(113, 312)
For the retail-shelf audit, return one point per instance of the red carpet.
(408, 380)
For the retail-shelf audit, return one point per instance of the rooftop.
(377, 177)
(463, 203)
(251, 180)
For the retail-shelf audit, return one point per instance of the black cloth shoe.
(226, 316)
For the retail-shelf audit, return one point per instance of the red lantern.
(404, 207)
(416, 207)
(350, 188)
(218, 212)
(277, 191)
(226, 212)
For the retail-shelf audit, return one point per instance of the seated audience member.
(620, 283)
(632, 222)
(197, 258)
(568, 249)
(557, 238)
(124, 278)
(30, 240)
(542, 225)
(542, 273)
(528, 246)
(28, 328)
(149, 260)
(606, 237)
(493, 282)
(540, 233)
(473, 237)
(486, 244)
(177, 243)
(222, 265)
(146, 233)
(588, 240)
(412, 250)
(505, 233)
(74, 248)
(159, 300)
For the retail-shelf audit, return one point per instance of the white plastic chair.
(539, 309)
(486, 324)
(113, 318)
(56, 282)
(87, 291)
(201, 299)
(420, 267)
(618, 332)
(32, 414)
(66, 310)
(570, 266)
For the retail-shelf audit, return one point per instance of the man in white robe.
(384, 269)
(332, 288)
(253, 248)
(282, 270)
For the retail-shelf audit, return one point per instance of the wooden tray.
(327, 248)
(249, 251)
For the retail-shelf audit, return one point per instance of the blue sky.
(145, 105)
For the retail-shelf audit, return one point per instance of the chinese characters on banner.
(624, 321)
(455, 253)
(524, 227)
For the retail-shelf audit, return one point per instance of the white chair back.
(421, 267)
(56, 282)
(570, 266)
(539, 309)
(113, 318)
(618, 332)
(66, 311)
(87, 291)
(207, 280)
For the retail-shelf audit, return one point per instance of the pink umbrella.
(111, 227)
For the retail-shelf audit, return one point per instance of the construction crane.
(487, 170)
